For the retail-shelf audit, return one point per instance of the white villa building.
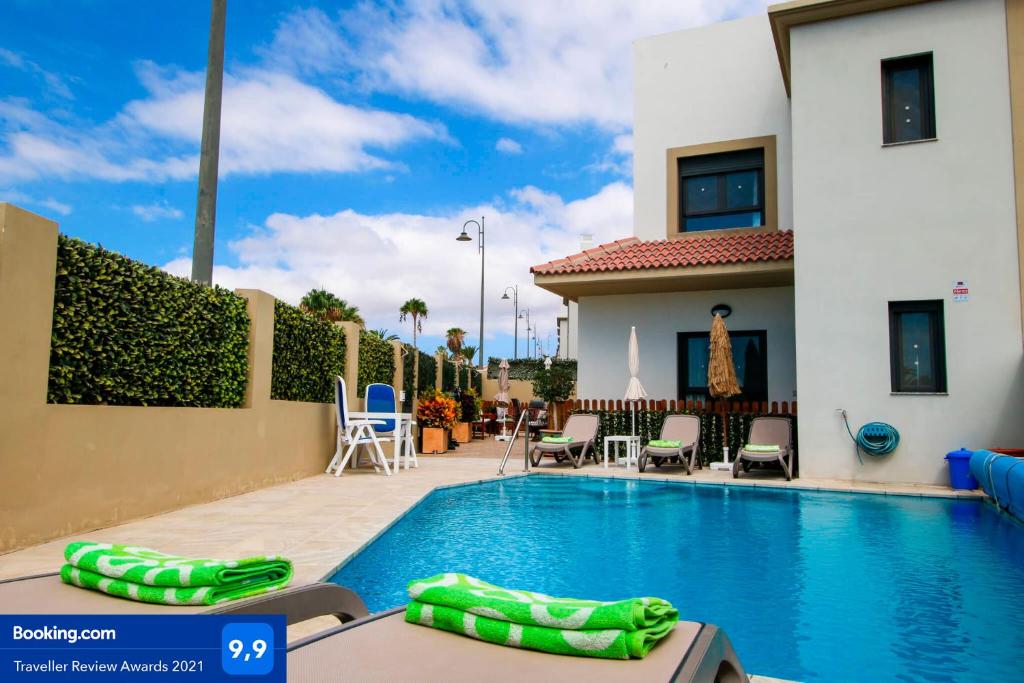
(844, 177)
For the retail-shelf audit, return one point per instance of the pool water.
(810, 586)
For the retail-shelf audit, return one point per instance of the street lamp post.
(515, 304)
(526, 312)
(463, 237)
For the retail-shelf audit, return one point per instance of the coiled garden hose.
(874, 438)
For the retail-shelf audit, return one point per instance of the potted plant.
(554, 385)
(469, 411)
(436, 416)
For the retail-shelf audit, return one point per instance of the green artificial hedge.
(448, 377)
(308, 354)
(526, 368)
(376, 361)
(129, 334)
(428, 374)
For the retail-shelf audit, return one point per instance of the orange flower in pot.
(436, 416)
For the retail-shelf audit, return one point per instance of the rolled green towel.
(603, 643)
(640, 622)
(664, 443)
(761, 448)
(557, 439)
(151, 576)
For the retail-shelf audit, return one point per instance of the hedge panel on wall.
(308, 354)
(448, 376)
(526, 368)
(129, 334)
(376, 361)
(428, 373)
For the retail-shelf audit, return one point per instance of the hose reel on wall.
(874, 438)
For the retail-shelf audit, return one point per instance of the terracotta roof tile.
(632, 253)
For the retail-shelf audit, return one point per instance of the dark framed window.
(749, 356)
(908, 99)
(718, 191)
(917, 347)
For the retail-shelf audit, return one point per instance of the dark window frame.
(924, 63)
(720, 172)
(937, 337)
(684, 390)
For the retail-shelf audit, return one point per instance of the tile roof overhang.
(729, 260)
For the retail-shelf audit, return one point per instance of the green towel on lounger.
(761, 448)
(662, 443)
(589, 628)
(557, 439)
(150, 576)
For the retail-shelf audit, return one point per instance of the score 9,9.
(236, 647)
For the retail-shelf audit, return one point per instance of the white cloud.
(271, 122)
(15, 197)
(156, 211)
(618, 159)
(508, 146)
(55, 83)
(378, 261)
(563, 61)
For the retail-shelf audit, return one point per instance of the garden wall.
(66, 469)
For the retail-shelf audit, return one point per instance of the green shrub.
(376, 361)
(526, 368)
(129, 334)
(448, 376)
(308, 353)
(428, 374)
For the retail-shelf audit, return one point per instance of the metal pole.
(515, 302)
(481, 291)
(209, 151)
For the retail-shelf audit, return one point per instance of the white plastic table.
(632, 449)
(403, 422)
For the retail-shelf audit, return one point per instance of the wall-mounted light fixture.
(723, 310)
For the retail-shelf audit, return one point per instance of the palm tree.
(325, 305)
(454, 338)
(468, 352)
(417, 310)
(384, 334)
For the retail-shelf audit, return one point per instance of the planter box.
(461, 432)
(434, 440)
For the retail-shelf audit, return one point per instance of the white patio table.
(403, 423)
(632, 448)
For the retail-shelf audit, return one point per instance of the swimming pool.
(810, 586)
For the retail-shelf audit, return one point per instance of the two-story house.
(844, 178)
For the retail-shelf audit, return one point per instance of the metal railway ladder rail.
(523, 415)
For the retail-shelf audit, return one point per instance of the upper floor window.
(908, 99)
(723, 190)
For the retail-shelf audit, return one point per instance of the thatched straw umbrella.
(722, 382)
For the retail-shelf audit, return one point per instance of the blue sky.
(357, 137)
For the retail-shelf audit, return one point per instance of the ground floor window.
(749, 355)
(917, 348)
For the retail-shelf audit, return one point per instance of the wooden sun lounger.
(383, 647)
(47, 594)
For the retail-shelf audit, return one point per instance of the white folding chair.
(352, 434)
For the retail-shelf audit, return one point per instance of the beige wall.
(66, 469)
(518, 388)
(877, 224)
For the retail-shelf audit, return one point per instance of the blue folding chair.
(353, 433)
(381, 398)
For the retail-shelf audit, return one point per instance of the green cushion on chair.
(557, 439)
(663, 443)
(761, 448)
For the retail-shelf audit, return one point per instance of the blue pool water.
(809, 586)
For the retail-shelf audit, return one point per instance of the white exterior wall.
(604, 336)
(881, 224)
(708, 84)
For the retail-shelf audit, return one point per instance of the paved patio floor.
(319, 521)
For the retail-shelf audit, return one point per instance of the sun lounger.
(47, 594)
(582, 429)
(767, 431)
(682, 428)
(693, 653)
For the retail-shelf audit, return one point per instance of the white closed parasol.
(634, 390)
